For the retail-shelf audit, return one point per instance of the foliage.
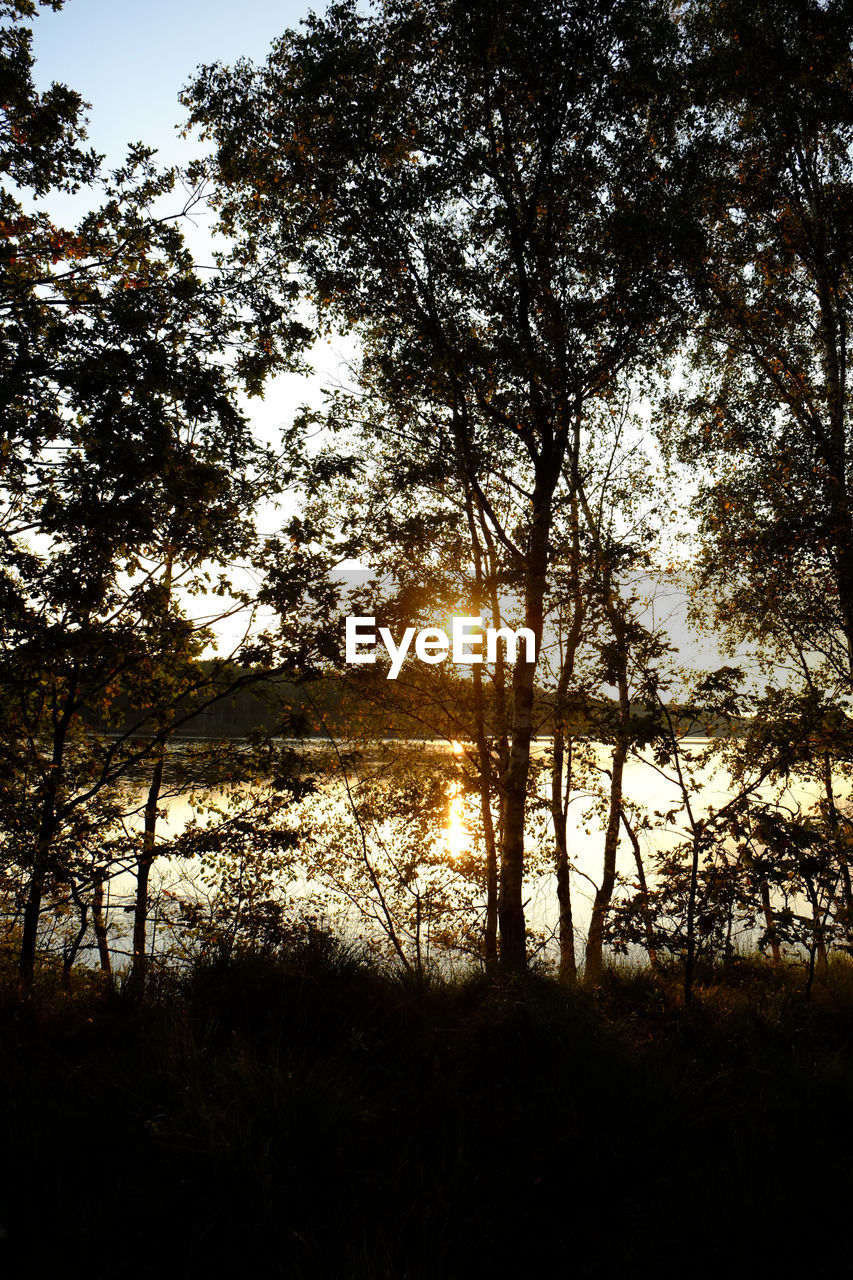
(766, 418)
(127, 469)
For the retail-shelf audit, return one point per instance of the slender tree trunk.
(810, 971)
(100, 926)
(823, 956)
(510, 901)
(35, 893)
(139, 961)
(501, 726)
(690, 957)
(604, 893)
(728, 947)
(484, 762)
(833, 339)
(485, 788)
(560, 789)
(73, 951)
(770, 923)
(616, 619)
(29, 934)
(47, 830)
(568, 961)
(816, 943)
(139, 964)
(648, 921)
(513, 952)
(419, 964)
(843, 864)
(499, 677)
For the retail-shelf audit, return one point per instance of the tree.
(767, 419)
(482, 196)
(432, 556)
(126, 464)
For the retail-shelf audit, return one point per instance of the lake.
(426, 860)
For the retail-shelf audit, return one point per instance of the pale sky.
(131, 58)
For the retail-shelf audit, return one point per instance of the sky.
(131, 58)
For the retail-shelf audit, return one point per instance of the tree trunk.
(139, 964)
(690, 958)
(510, 902)
(513, 952)
(47, 831)
(648, 921)
(501, 728)
(484, 766)
(32, 909)
(73, 951)
(561, 791)
(568, 963)
(832, 332)
(843, 864)
(604, 893)
(485, 787)
(100, 926)
(770, 923)
(29, 935)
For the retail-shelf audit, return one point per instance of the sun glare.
(457, 839)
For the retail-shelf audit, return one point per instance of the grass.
(313, 1117)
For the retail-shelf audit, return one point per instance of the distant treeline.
(344, 706)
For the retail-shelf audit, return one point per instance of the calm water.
(642, 784)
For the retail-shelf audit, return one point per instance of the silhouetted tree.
(767, 423)
(481, 194)
(124, 456)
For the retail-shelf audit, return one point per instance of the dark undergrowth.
(312, 1117)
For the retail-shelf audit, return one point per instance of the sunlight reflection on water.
(642, 782)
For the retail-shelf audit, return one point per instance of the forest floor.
(313, 1118)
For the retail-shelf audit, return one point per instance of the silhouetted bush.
(308, 1115)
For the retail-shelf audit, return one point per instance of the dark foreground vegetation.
(311, 1116)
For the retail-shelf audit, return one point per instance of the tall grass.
(312, 1116)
